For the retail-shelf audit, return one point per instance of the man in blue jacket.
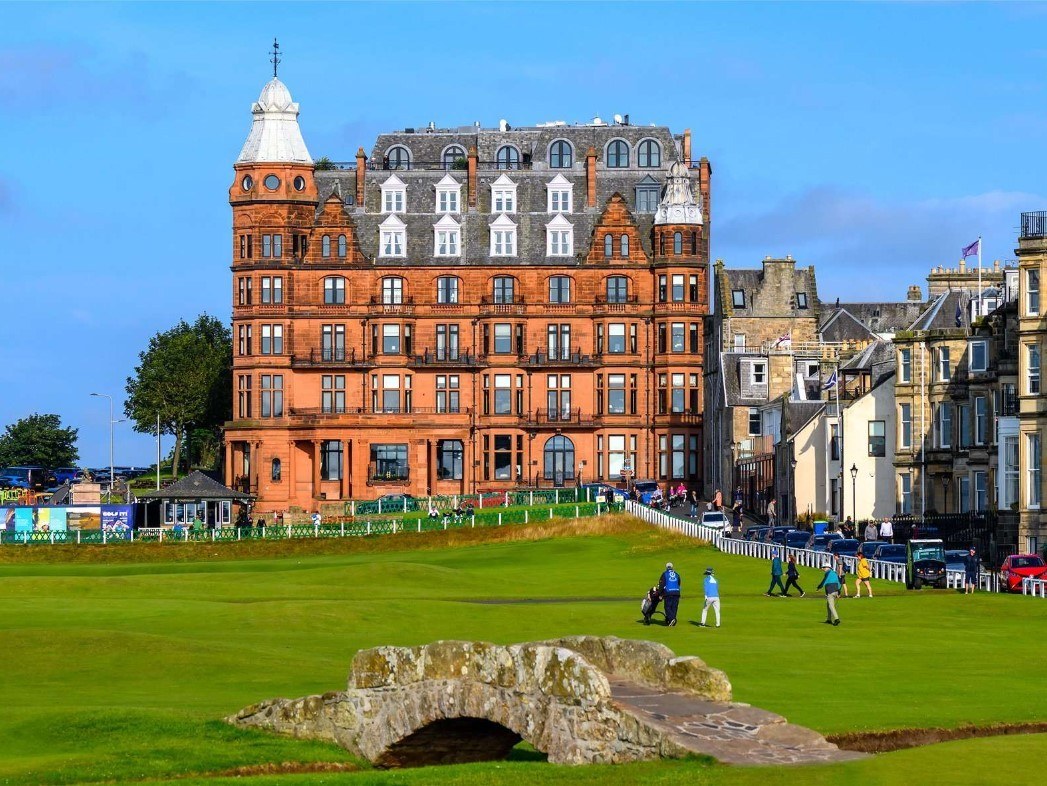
(712, 597)
(831, 582)
(669, 587)
(776, 574)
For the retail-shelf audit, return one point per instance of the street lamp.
(111, 424)
(945, 492)
(854, 493)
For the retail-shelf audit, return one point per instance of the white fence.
(1035, 587)
(886, 571)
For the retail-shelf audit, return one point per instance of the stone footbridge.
(580, 700)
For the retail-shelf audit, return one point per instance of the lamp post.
(111, 424)
(945, 493)
(792, 478)
(854, 493)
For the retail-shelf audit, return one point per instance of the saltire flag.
(830, 383)
(973, 249)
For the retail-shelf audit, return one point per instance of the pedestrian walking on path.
(792, 576)
(669, 589)
(971, 568)
(862, 573)
(831, 582)
(776, 574)
(887, 531)
(712, 597)
(772, 513)
(870, 531)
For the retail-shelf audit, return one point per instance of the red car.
(1022, 566)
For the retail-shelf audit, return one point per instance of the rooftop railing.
(1034, 225)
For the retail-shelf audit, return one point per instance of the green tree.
(185, 376)
(39, 440)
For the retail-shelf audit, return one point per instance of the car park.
(868, 547)
(925, 563)
(797, 538)
(845, 547)
(1018, 567)
(29, 477)
(756, 533)
(890, 552)
(777, 535)
(821, 542)
(68, 475)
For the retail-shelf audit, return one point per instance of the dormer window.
(503, 237)
(649, 154)
(559, 195)
(447, 237)
(801, 300)
(394, 195)
(508, 157)
(393, 238)
(559, 237)
(398, 158)
(503, 195)
(738, 298)
(617, 154)
(454, 157)
(561, 156)
(448, 195)
(647, 192)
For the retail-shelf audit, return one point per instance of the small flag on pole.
(959, 313)
(830, 383)
(973, 249)
(784, 341)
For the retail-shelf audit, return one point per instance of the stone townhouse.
(465, 309)
(1032, 404)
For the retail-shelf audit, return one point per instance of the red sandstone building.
(465, 310)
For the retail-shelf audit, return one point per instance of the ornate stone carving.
(678, 205)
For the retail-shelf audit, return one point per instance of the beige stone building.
(945, 279)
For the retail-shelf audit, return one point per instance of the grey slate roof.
(766, 295)
(531, 214)
(881, 317)
(196, 485)
(941, 313)
(798, 414)
(841, 325)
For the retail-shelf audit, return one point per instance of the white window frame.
(762, 366)
(559, 195)
(1032, 295)
(984, 365)
(392, 238)
(979, 491)
(905, 425)
(503, 237)
(448, 196)
(559, 238)
(944, 364)
(944, 433)
(905, 492)
(1033, 372)
(394, 195)
(980, 410)
(1032, 470)
(503, 195)
(447, 238)
(905, 365)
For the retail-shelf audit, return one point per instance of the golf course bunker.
(579, 700)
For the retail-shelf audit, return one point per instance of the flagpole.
(980, 276)
(839, 424)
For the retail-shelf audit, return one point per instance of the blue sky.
(872, 141)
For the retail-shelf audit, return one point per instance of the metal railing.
(555, 357)
(337, 356)
(1034, 225)
(560, 417)
(442, 358)
(404, 410)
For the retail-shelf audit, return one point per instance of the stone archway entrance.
(451, 741)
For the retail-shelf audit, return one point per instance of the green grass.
(121, 671)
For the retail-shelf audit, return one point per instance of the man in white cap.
(669, 588)
(831, 582)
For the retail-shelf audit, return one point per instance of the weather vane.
(275, 59)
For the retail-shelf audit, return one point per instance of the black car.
(846, 547)
(756, 533)
(797, 538)
(777, 535)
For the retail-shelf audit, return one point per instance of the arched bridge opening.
(451, 741)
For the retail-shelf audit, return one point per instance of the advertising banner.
(23, 519)
(117, 517)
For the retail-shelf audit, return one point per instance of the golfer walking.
(712, 597)
(669, 588)
(831, 582)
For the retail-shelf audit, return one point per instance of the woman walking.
(862, 573)
(792, 576)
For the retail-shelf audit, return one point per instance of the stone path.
(731, 733)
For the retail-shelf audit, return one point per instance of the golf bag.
(649, 604)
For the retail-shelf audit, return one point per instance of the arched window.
(504, 289)
(454, 157)
(392, 291)
(649, 153)
(677, 243)
(617, 154)
(617, 289)
(508, 157)
(276, 470)
(334, 290)
(561, 155)
(559, 459)
(625, 246)
(325, 246)
(342, 246)
(398, 158)
(608, 246)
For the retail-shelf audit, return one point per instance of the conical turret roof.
(275, 136)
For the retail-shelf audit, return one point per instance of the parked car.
(68, 475)
(393, 502)
(845, 547)
(868, 547)
(955, 559)
(34, 478)
(777, 535)
(715, 519)
(755, 533)
(821, 542)
(925, 563)
(890, 552)
(1022, 566)
(797, 538)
